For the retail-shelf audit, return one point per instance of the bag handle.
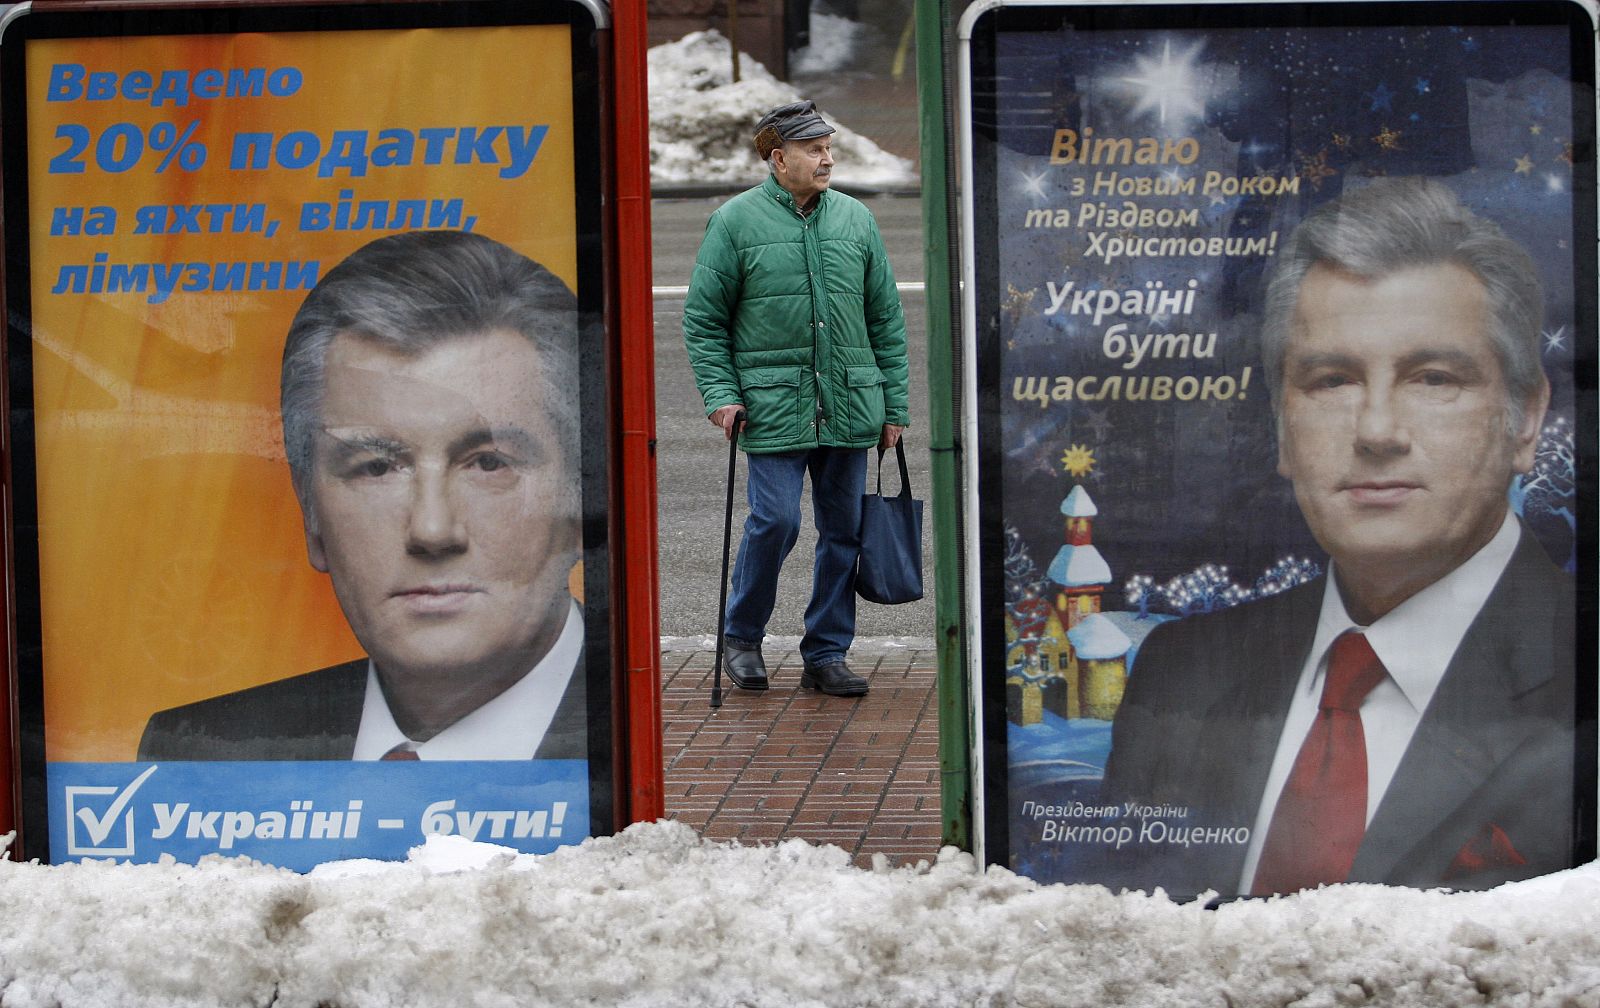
(905, 474)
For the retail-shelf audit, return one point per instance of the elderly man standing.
(792, 316)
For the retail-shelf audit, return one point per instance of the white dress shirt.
(1415, 641)
(509, 727)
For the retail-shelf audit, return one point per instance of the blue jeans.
(838, 478)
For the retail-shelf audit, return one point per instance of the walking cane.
(727, 542)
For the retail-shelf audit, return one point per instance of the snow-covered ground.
(701, 121)
(657, 917)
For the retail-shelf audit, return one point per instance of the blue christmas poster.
(1285, 348)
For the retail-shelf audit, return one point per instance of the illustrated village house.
(1062, 653)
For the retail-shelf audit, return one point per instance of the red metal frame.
(635, 470)
(633, 483)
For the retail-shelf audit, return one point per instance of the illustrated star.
(1555, 340)
(1078, 461)
(1028, 446)
(1255, 149)
(1422, 86)
(1170, 86)
(1382, 99)
(1017, 302)
(1315, 169)
(1388, 139)
(1536, 129)
(1566, 153)
(1524, 165)
(1098, 421)
(1034, 184)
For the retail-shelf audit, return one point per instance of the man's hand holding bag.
(890, 569)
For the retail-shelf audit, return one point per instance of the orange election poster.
(186, 191)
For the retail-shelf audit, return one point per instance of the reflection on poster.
(1287, 570)
(305, 383)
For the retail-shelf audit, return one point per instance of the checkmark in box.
(87, 808)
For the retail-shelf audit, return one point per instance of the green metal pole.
(955, 721)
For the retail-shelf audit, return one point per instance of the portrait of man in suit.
(429, 398)
(1408, 717)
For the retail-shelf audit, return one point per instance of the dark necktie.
(1322, 811)
(403, 751)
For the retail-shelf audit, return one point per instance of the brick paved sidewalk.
(861, 774)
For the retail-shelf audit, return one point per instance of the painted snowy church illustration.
(1062, 653)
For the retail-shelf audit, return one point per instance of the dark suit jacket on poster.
(1483, 794)
(314, 717)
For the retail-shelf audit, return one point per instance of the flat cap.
(794, 121)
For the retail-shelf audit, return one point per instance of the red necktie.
(403, 751)
(1322, 811)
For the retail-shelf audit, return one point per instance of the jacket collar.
(770, 187)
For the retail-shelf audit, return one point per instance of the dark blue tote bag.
(890, 569)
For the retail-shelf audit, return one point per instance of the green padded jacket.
(798, 319)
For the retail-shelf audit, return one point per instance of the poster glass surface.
(1284, 332)
(308, 429)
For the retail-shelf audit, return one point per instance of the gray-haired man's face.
(442, 505)
(1393, 423)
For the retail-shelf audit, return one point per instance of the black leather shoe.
(834, 679)
(746, 668)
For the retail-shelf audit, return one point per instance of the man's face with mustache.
(805, 167)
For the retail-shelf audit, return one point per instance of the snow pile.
(701, 122)
(657, 917)
(833, 43)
